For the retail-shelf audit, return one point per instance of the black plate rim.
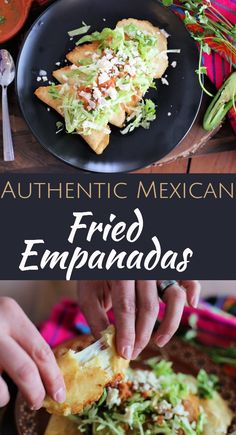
(136, 168)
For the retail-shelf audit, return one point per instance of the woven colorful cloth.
(214, 322)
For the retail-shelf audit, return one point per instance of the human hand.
(26, 358)
(136, 306)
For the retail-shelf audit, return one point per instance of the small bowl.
(16, 12)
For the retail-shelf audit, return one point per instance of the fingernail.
(195, 301)
(136, 352)
(60, 396)
(35, 407)
(127, 352)
(161, 340)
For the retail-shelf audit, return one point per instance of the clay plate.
(185, 358)
(16, 12)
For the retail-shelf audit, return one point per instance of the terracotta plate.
(185, 358)
(15, 13)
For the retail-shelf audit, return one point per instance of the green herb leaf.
(167, 2)
(2, 19)
(201, 70)
(142, 116)
(206, 384)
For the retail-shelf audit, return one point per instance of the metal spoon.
(7, 75)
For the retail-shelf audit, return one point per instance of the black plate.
(47, 42)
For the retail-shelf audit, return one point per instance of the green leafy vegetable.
(103, 397)
(160, 412)
(210, 29)
(206, 384)
(142, 116)
(80, 31)
(2, 19)
(53, 91)
(160, 368)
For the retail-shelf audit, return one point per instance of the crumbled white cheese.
(58, 63)
(92, 105)
(42, 72)
(180, 410)
(85, 95)
(112, 93)
(163, 407)
(131, 70)
(109, 53)
(95, 56)
(104, 19)
(143, 379)
(74, 67)
(169, 114)
(39, 79)
(97, 93)
(164, 81)
(103, 78)
(64, 77)
(114, 60)
(168, 415)
(112, 397)
(48, 109)
(104, 64)
(102, 102)
(44, 78)
(174, 64)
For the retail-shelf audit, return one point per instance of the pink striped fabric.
(213, 326)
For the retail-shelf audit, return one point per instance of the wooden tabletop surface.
(30, 156)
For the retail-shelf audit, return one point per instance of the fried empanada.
(98, 140)
(85, 381)
(161, 61)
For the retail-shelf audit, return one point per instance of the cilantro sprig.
(211, 29)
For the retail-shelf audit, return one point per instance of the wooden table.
(198, 152)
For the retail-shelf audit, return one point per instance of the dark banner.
(128, 226)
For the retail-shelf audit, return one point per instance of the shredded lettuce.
(53, 91)
(138, 51)
(161, 411)
(200, 422)
(80, 31)
(102, 398)
(160, 368)
(142, 116)
(206, 384)
(114, 37)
